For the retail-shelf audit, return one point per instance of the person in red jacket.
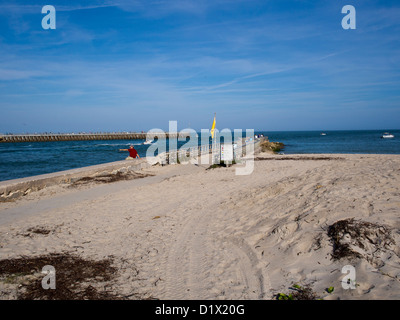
(132, 152)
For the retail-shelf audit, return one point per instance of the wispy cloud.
(245, 59)
(25, 9)
(14, 74)
(162, 8)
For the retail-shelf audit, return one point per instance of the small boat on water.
(323, 134)
(148, 142)
(387, 135)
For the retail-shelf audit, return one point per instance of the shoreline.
(184, 232)
(15, 188)
(17, 160)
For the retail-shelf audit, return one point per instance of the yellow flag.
(213, 128)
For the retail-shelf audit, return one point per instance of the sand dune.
(190, 233)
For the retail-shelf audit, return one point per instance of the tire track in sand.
(197, 253)
(185, 262)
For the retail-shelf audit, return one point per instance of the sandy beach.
(189, 232)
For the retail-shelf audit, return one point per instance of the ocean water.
(365, 141)
(18, 160)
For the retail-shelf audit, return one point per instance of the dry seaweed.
(298, 293)
(359, 239)
(40, 230)
(304, 293)
(76, 278)
(298, 158)
(109, 178)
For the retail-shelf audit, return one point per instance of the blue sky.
(134, 65)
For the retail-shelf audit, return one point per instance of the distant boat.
(148, 142)
(387, 135)
(323, 134)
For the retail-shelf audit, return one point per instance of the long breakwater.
(83, 136)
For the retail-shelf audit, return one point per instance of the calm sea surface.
(18, 160)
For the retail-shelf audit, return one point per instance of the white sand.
(191, 233)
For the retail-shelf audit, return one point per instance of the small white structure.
(227, 152)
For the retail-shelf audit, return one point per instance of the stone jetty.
(83, 136)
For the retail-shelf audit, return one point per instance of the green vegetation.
(282, 296)
(299, 293)
(302, 293)
(221, 164)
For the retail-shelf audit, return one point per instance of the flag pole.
(213, 142)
